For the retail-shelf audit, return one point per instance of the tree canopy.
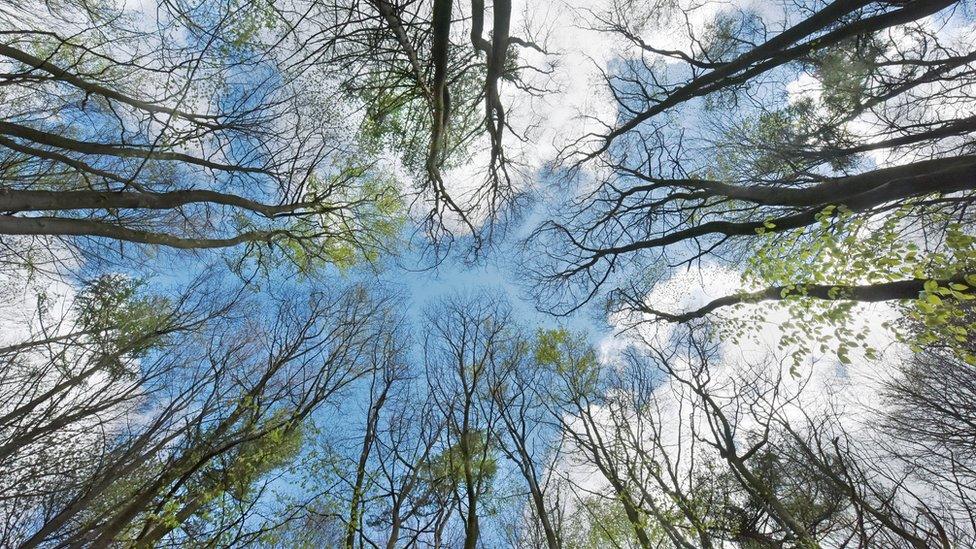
(439, 273)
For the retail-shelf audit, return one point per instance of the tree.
(430, 85)
(190, 134)
(929, 413)
(186, 434)
(859, 191)
(691, 448)
(390, 370)
(463, 341)
(525, 435)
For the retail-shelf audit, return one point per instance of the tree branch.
(54, 226)
(899, 290)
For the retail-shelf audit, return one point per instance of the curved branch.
(952, 175)
(24, 201)
(778, 51)
(898, 182)
(57, 157)
(389, 13)
(54, 226)
(898, 290)
(64, 76)
(86, 147)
